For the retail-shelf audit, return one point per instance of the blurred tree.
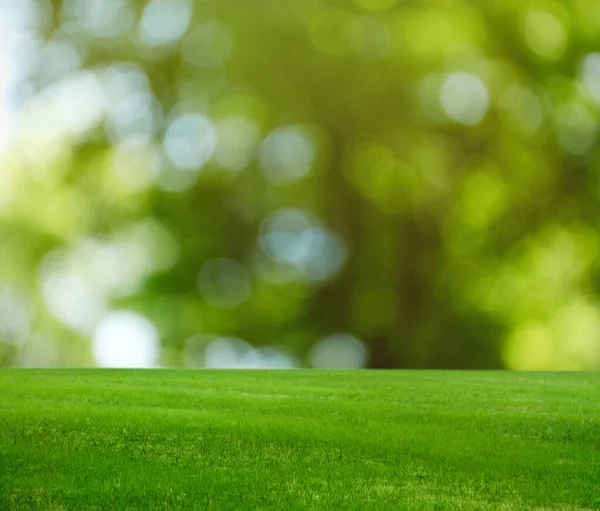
(421, 175)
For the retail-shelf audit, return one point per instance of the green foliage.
(440, 160)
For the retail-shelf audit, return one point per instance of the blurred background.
(300, 183)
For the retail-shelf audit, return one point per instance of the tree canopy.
(381, 183)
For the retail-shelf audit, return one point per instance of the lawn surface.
(112, 439)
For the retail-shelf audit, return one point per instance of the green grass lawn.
(112, 439)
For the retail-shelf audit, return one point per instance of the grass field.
(121, 439)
